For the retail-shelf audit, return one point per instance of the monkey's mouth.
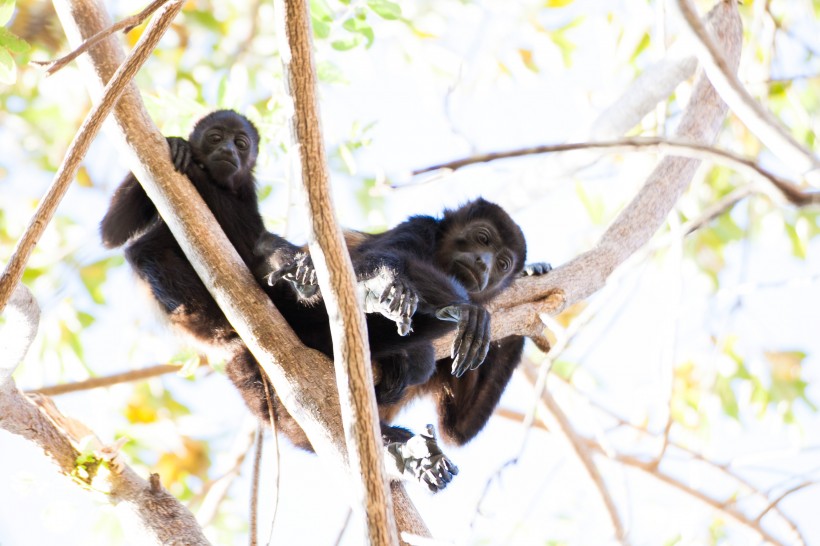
(471, 280)
(227, 161)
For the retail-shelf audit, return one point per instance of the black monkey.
(475, 251)
(218, 158)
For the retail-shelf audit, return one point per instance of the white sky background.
(402, 84)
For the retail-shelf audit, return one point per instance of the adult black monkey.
(475, 251)
(219, 158)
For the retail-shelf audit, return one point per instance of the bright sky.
(655, 314)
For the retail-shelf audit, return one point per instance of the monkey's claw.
(393, 297)
(473, 337)
(422, 459)
(399, 302)
(300, 273)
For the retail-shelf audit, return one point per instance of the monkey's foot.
(300, 273)
(391, 296)
(421, 459)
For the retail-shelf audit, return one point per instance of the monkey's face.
(477, 257)
(226, 147)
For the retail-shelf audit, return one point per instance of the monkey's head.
(226, 144)
(482, 247)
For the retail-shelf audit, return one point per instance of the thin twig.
(79, 147)
(583, 453)
(759, 121)
(108, 380)
(786, 493)
(253, 532)
(277, 460)
(126, 25)
(789, 190)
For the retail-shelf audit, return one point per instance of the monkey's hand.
(392, 296)
(422, 459)
(180, 153)
(536, 269)
(472, 335)
(300, 273)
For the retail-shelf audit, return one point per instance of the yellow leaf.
(569, 314)
(785, 364)
(84, 179)
(134, 35)
(526, 57)
(557, 3)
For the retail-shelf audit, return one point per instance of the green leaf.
(11, 42)
(94, 275)
(6, 11)
(321, 29)
(8, 70)
(359, 26)
(798, 242)
(642, 45)
(594, 205)
(385, 9)
(347, 43)
(728, 400)
(319, 9)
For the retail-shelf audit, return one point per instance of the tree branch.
(123, 73)
(300, 375)
(163, 518)
(108, 380)
(126, 25)
(722, 73)
(354, 377)
(516, 309)
(788, 190)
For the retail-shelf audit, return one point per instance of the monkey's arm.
(465, 404)
(131, 210)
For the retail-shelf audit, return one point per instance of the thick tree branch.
(516, 310)
(122, 76)
(301, 376)
(22, 316)
(163, 519)
(722, 72)
(334, 269)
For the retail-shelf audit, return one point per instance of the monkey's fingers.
(538, 268)
(403, 325)
(483, 343)
(463, 345)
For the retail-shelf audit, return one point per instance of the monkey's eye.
(504, 264)
(242, 144)
(482, 237)
(213, 138)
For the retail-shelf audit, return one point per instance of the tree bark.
(354, 377)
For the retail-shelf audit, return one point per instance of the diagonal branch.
(516, 310)
(126, 25)
(120, 79)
